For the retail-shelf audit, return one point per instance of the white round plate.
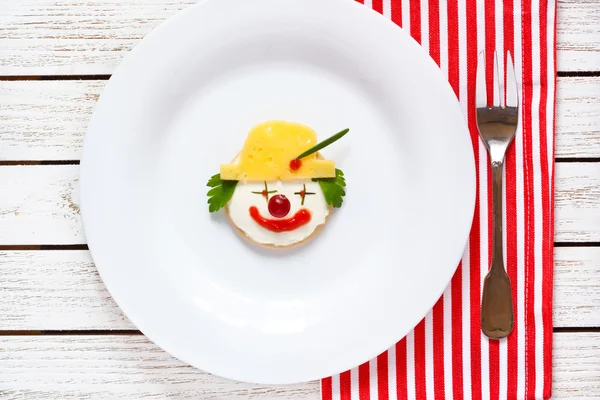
(182, 103)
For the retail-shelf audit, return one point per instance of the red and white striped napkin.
(447, 356)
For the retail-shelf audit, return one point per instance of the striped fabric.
(447, 356)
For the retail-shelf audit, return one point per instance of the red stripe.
(378, 6)
(453, 75)
(475, 291)
(490, 47)
(382, 377)
(434, 30)
(547, 210)
(494, 345)
(457, 339)
(438, 350)
(415, 19)
(494, 369)
(345, 386)
(528, 202)
(548, 251)
(474, 241)
(512, 266)
(364, 380)
(456, 283)
(420, 373)
(397, 12)
(327, 388)
(401, 381)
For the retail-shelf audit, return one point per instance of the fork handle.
(497, 200)
(496, 304)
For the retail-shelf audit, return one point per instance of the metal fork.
(497, 126)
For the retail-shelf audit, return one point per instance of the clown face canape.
(279, 191)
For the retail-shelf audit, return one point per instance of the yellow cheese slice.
(268, 150)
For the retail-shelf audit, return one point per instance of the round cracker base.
(273, 246)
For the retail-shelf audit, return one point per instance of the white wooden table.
(61, 334)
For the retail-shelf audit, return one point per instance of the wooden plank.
(109, 367)
(39, 204)
(74, 37)
(112, 367)
(577, 202)
(576, 287)
(51, 37)
(88, 20)
(578, 117)
(47, 120)
(61, 290)
(576, 365)
(55, 290)
(40, 57)
(578, 35)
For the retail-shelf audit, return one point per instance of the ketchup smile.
(301, 217)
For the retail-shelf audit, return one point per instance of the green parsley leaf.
(214, 180)
(220, 193)
(333, 188)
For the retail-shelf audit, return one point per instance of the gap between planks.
(576, 244)
(577, 159)
(102, 77)
(576, 74)
(19, 247)
(567, 329)
(73, 332)
(43, 247)
(105, 77)
(39, 162)
(134, 332)
(77, 162)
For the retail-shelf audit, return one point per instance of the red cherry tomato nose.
(279, 206)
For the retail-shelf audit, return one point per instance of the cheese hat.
(268, 151)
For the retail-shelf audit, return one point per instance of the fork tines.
(481, 98)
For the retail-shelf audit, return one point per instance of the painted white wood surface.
(577, 117)
(47, 120)
(61, 290)
(115, 367)
(576, 361)
(39, 204)
(56, 290)
(110, 367)
(577, 202)
(52, 37)
(576, 287)
(578, 36)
